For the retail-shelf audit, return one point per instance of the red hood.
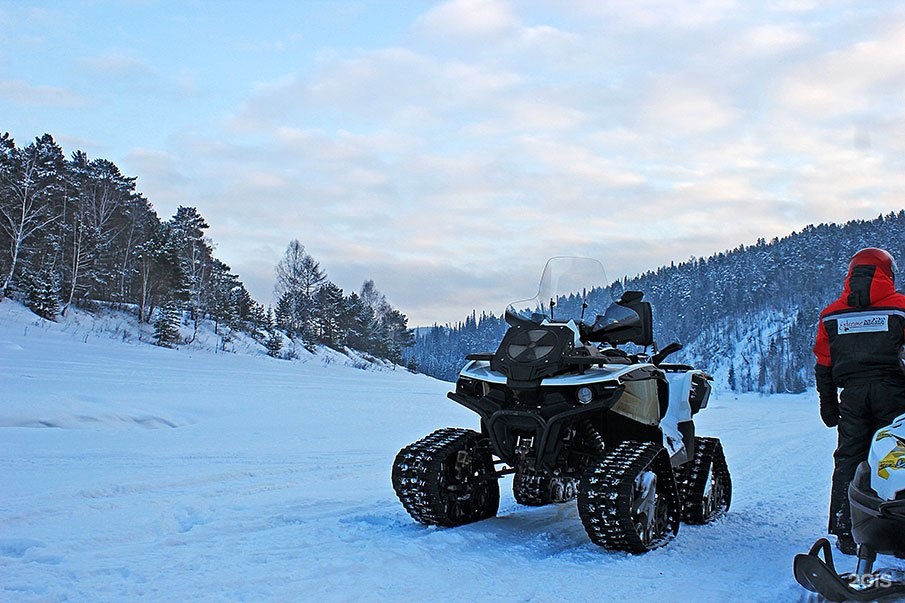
(864, 289)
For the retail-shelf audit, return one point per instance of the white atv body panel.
(678, 410)
(887, 460)
(480, 370)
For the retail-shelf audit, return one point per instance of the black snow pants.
(864, 409)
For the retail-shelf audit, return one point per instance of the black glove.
(829, 410)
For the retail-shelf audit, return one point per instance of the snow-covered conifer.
(274, 344)
(166, 327)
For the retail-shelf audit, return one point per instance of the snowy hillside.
(752, 353)
(129, 471)
(753, 309)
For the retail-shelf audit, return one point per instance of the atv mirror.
(616, 322)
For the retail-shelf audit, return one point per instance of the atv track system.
(628, 501)
(704, 483)
(536, 488)
(447, 479)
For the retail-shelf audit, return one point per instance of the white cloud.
(548, 39)
(539, 116)
(469, 18)
(187, 84)
(649, 14)
(25, 93)
(117, 65)
(579, 165)
(770, 39)
(677, 108)
(395, 88)
(868, 74)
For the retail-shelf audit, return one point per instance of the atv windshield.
(571, 288)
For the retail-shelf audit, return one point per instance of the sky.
(447, 149)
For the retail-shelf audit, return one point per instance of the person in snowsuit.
(858, 346)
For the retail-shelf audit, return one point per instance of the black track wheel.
(447, 478)
(628, 500)
(705, 485)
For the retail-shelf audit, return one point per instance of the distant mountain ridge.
(747, 315)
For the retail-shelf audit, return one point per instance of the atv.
(574, 416)
(877, 499)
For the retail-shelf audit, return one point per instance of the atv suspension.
(536, 488)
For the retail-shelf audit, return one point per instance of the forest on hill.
(76, 231)
(748, 315)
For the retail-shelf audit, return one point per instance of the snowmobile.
(877, 499)
(572, 415)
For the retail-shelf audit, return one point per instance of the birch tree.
(31, 179)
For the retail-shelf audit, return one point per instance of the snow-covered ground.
(129, 471)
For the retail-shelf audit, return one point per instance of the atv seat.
(643, 334)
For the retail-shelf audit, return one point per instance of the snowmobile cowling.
(877, 499)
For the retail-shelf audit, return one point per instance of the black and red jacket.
(859, 334)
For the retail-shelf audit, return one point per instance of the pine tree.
(101, 221)
(329, 304)
(42, 295)
(284, 317)
(166, 327)
(259, 320)
(274, 344)
(221, 303)
(398, 335)
(194, 251)
(160, 270)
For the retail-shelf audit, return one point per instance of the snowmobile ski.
(820, 576)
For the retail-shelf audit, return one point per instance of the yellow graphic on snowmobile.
(896, 457)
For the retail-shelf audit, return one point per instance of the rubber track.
(691, 479)
(415, 472)
(530, 487)
(535, 488)
(604, 500)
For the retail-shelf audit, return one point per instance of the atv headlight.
(584, 394)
